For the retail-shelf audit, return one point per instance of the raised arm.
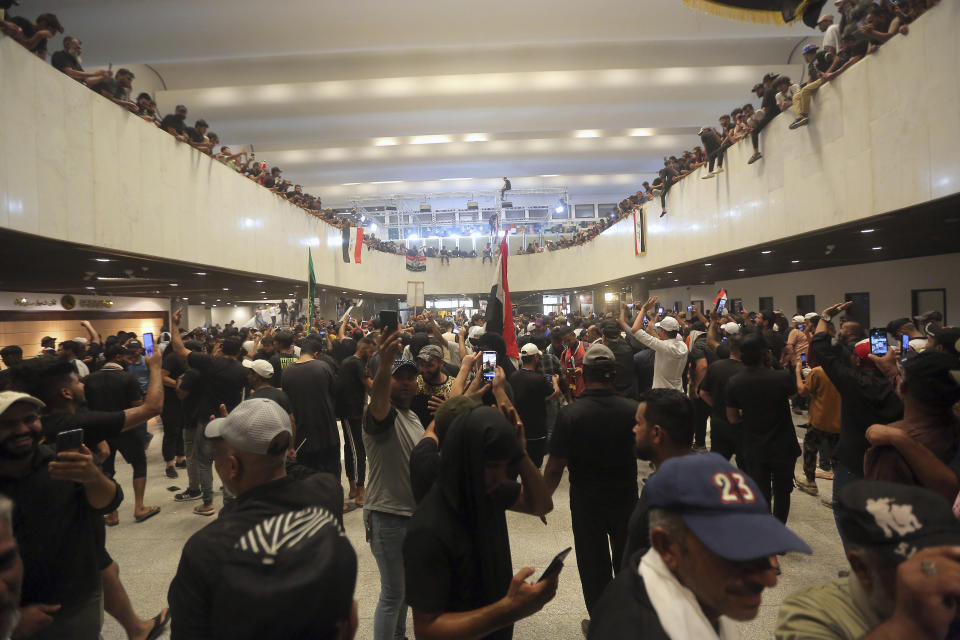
(179, 349)
(389, 347)
(152, 400)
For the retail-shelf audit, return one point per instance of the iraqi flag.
(499, 309)
(352, 243)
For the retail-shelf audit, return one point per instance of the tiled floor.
(148, 554)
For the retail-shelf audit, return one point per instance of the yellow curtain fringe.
(734, 13)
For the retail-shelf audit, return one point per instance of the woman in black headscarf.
(459, 574)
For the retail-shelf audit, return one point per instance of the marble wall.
(77, 168)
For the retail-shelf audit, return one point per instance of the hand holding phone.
(878, 342)
(70, 440)
(555, 565)
(388, 321)
(488, 366)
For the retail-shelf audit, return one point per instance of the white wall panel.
(76, 167)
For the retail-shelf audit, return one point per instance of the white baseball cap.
(669, 324)
(9, 398)
(262, 368)
(475, 332)
(530, 349)
(797, 319)
(251, 426)
(811, 315)
(730, 328)
(531, 326)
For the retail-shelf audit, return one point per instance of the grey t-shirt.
(388, 445)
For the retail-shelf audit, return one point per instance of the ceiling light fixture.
(741, 269)
(876, 248)
(199, 273)
(641, 133)
(549, 175)
(587, 133)
(91, 287)
(102, 259)
(867, 230)
(174, 284)
(385, 142)
(708, 264)
(476, 137)
(226, 289)
(259, 281)
(794, 261)
(429, 139)
(766, 251)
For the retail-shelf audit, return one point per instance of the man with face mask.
(712, 542)
(904, 552)
(60, 499)
(229, 583)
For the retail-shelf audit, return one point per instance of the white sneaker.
(706, 177)
(719, 170)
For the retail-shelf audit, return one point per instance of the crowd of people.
(438, 441)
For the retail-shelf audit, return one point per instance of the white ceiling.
(344, 92)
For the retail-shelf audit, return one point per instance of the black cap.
(896, 519)
(894, 326)
(275, 170)
(610, 330)
(180, 107)
(133, 347)
(948, 338)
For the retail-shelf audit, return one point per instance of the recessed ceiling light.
(226, 288)
(476, 137)
(185, 298)
(174, 284)
(259, 281)
(385, 142)
(263, 292)
(218, 299)
(866, 230)
(670, 272)
(766, 251)
(102, 259)
(794, 261)
(549, 175)
(91, 287)
(199, 273)
(708, 264)
(675, 280)
(741, 269)
(876, 248)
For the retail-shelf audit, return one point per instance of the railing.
(77, 168)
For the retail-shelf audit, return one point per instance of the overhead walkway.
(882, 137)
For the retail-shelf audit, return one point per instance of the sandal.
(159, 624)
(149, 514)
(111, 521)
(204, 510)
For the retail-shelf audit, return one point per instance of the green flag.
(311, 289)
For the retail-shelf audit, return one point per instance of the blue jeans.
(385, 532)
(842, 476)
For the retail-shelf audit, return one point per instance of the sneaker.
(188, 495)
(172, 472)
(799, 122)
(754, 157)
(806, 486)
(181, 465)
(719, 170)
(663, 213)
(585, 627)
(707, 176)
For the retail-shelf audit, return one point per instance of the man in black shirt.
(68, 62)
(663, 430)
(623, 350)
(699, 358)
(59, 500)
(173, 123)
(758, 404)
(259, 379)
(309, 382)
(117, 89)
(531, 391)
(775, 341)
(770, 111)
(230, 583)
(594, 436)
(173, 416)
(114, 389)
(355, 382)
(283, 354)
(221, 381)
(724, 438)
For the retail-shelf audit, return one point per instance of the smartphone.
(555, 565)
(904, 345)
(741, 306)
(70, 440)
(803, 360)
(548, 377)
(721, 306)
(689, 307)
(148, 344)
(456, 330)
(488, 365)
(388, 321)
(660, 311)
(878, 342)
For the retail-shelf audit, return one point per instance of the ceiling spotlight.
(670, 272)
(794, 261)
(199, 273)
(876, 248)
(103, 259)
(675, 280)
(708, 264)
(185, 298)
(174, 284)
(766, 251)
(91, 287)
(741, 269)
(867, 230)
(259, 281)
(226, 289)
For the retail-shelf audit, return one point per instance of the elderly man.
(712, 543)
(905, 574)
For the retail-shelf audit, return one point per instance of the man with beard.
(433, 383)
(663, 430)
(60, 499)
(174, 123)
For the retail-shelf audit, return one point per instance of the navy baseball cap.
(722, 506)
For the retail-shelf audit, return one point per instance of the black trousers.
(723, 439)
(775, 479)
(755, 134)
(326, 460)
(599, 536)
(816, 442)
(172, 433)
(354, 454)
(701, 411)
(536, 449)
(714, 154)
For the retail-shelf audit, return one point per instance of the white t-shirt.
(82, 369)
(670, 361)
(831, 38)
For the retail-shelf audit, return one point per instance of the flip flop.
(111, 523)
(149, 514)
(348, 507)
(159, 624)
(200, 511)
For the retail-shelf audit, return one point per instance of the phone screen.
(803, 360)
(878, 342)
(456, 330)
(555, 565)
(800, 326)
(660, 311)
(148, 344)
(488, 365)
(722, 306)
(70, 440)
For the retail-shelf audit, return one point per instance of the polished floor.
(148, 554)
